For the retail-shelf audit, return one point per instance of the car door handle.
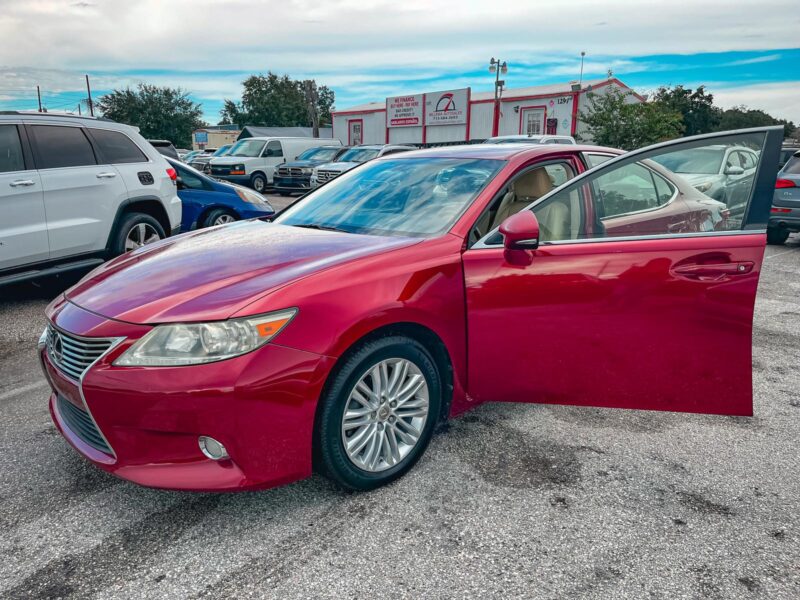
(21, 183)
(711, 272)
(106, 175)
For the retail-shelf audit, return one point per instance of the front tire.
(258, 182)
(378, 413)
(777, 236)
(134, 231)
(219, 216)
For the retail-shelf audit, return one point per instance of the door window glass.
(596, 159)
(748, 160)
(674, 190)
(189, 180)
(274, 149)
(62, 146)
(117, 148)
(10, 150)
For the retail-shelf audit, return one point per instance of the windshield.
(249, 148)
(694, 161)
(404, 197)
(326, 154)
(358, 155)
(222, 151)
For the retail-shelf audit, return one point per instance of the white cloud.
(781, 100)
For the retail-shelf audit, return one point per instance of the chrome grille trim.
(323, 176)
(290, 171)
(72, 354)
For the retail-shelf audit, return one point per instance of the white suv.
(75, 191)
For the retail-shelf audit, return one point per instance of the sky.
(744, 52)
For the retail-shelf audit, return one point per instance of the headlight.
(252, 197)
(199, 343)
(704, 187)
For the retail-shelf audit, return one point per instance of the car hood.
(338, 166)
(214, 273)
(697, 178)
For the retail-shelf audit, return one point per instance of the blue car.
(207, 202)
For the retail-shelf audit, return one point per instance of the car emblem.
(58, 347)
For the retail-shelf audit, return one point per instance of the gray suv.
(75, 191)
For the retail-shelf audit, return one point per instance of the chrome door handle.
(21, 182)
(106, 175)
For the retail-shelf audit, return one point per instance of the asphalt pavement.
(512, 500)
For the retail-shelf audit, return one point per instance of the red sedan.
(404, 292)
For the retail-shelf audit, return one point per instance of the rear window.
(792, 166)
(116, 147)
(61, 146)
(10, 150)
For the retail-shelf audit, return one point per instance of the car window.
(61, 146)
(640, 198)
(596, 159)
(190, 180)
(792, 166)
(358, 155)
(397, 196)
(748, 160)
(274, 149)
(116, 147)
(10, 150)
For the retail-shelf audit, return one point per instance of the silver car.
(785, 216)
(352, 158)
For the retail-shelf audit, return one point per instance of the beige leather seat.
(531, 186)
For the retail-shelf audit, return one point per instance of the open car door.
(640, 293)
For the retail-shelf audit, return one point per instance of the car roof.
(502, 151)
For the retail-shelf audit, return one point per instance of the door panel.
(23, 226)
(636, 297)
(615, 324)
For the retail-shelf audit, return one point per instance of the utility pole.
(39, 96)
(312, 100)
(497, 67)
(89, 92)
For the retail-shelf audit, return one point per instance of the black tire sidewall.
(126, 224)
(777, 236)
(332, 457)
(258, 176)
(217, 212)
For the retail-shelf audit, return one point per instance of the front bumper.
(292, 184)
(260, 406)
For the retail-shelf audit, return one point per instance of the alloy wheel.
(139, 235)
(223, 218)
(385, 414)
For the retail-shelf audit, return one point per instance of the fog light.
(212, 448)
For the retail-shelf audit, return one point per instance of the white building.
(454, 116)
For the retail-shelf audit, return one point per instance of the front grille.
(72, 354)
(323, 176)
(290, 171)
(82, 425)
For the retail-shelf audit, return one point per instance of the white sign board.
(447, 108)
(404, 111)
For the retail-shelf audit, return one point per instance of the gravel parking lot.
(514, 500)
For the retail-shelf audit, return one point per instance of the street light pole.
(583, 53)
(497, 67)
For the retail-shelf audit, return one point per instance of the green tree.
(276, 101)
(159, 112)
(695, 106)
(615, 119)
(741, 117)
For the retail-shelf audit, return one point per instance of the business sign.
(447, 108)
(200, 137)
(404, 111)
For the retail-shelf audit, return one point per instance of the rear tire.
(394, 452)
(258, 182)
(135, 230)
(777, 236)
(219, 216)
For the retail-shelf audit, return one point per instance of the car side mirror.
(733, 170)
(520, 231)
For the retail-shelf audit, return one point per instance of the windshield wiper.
(320, 227)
